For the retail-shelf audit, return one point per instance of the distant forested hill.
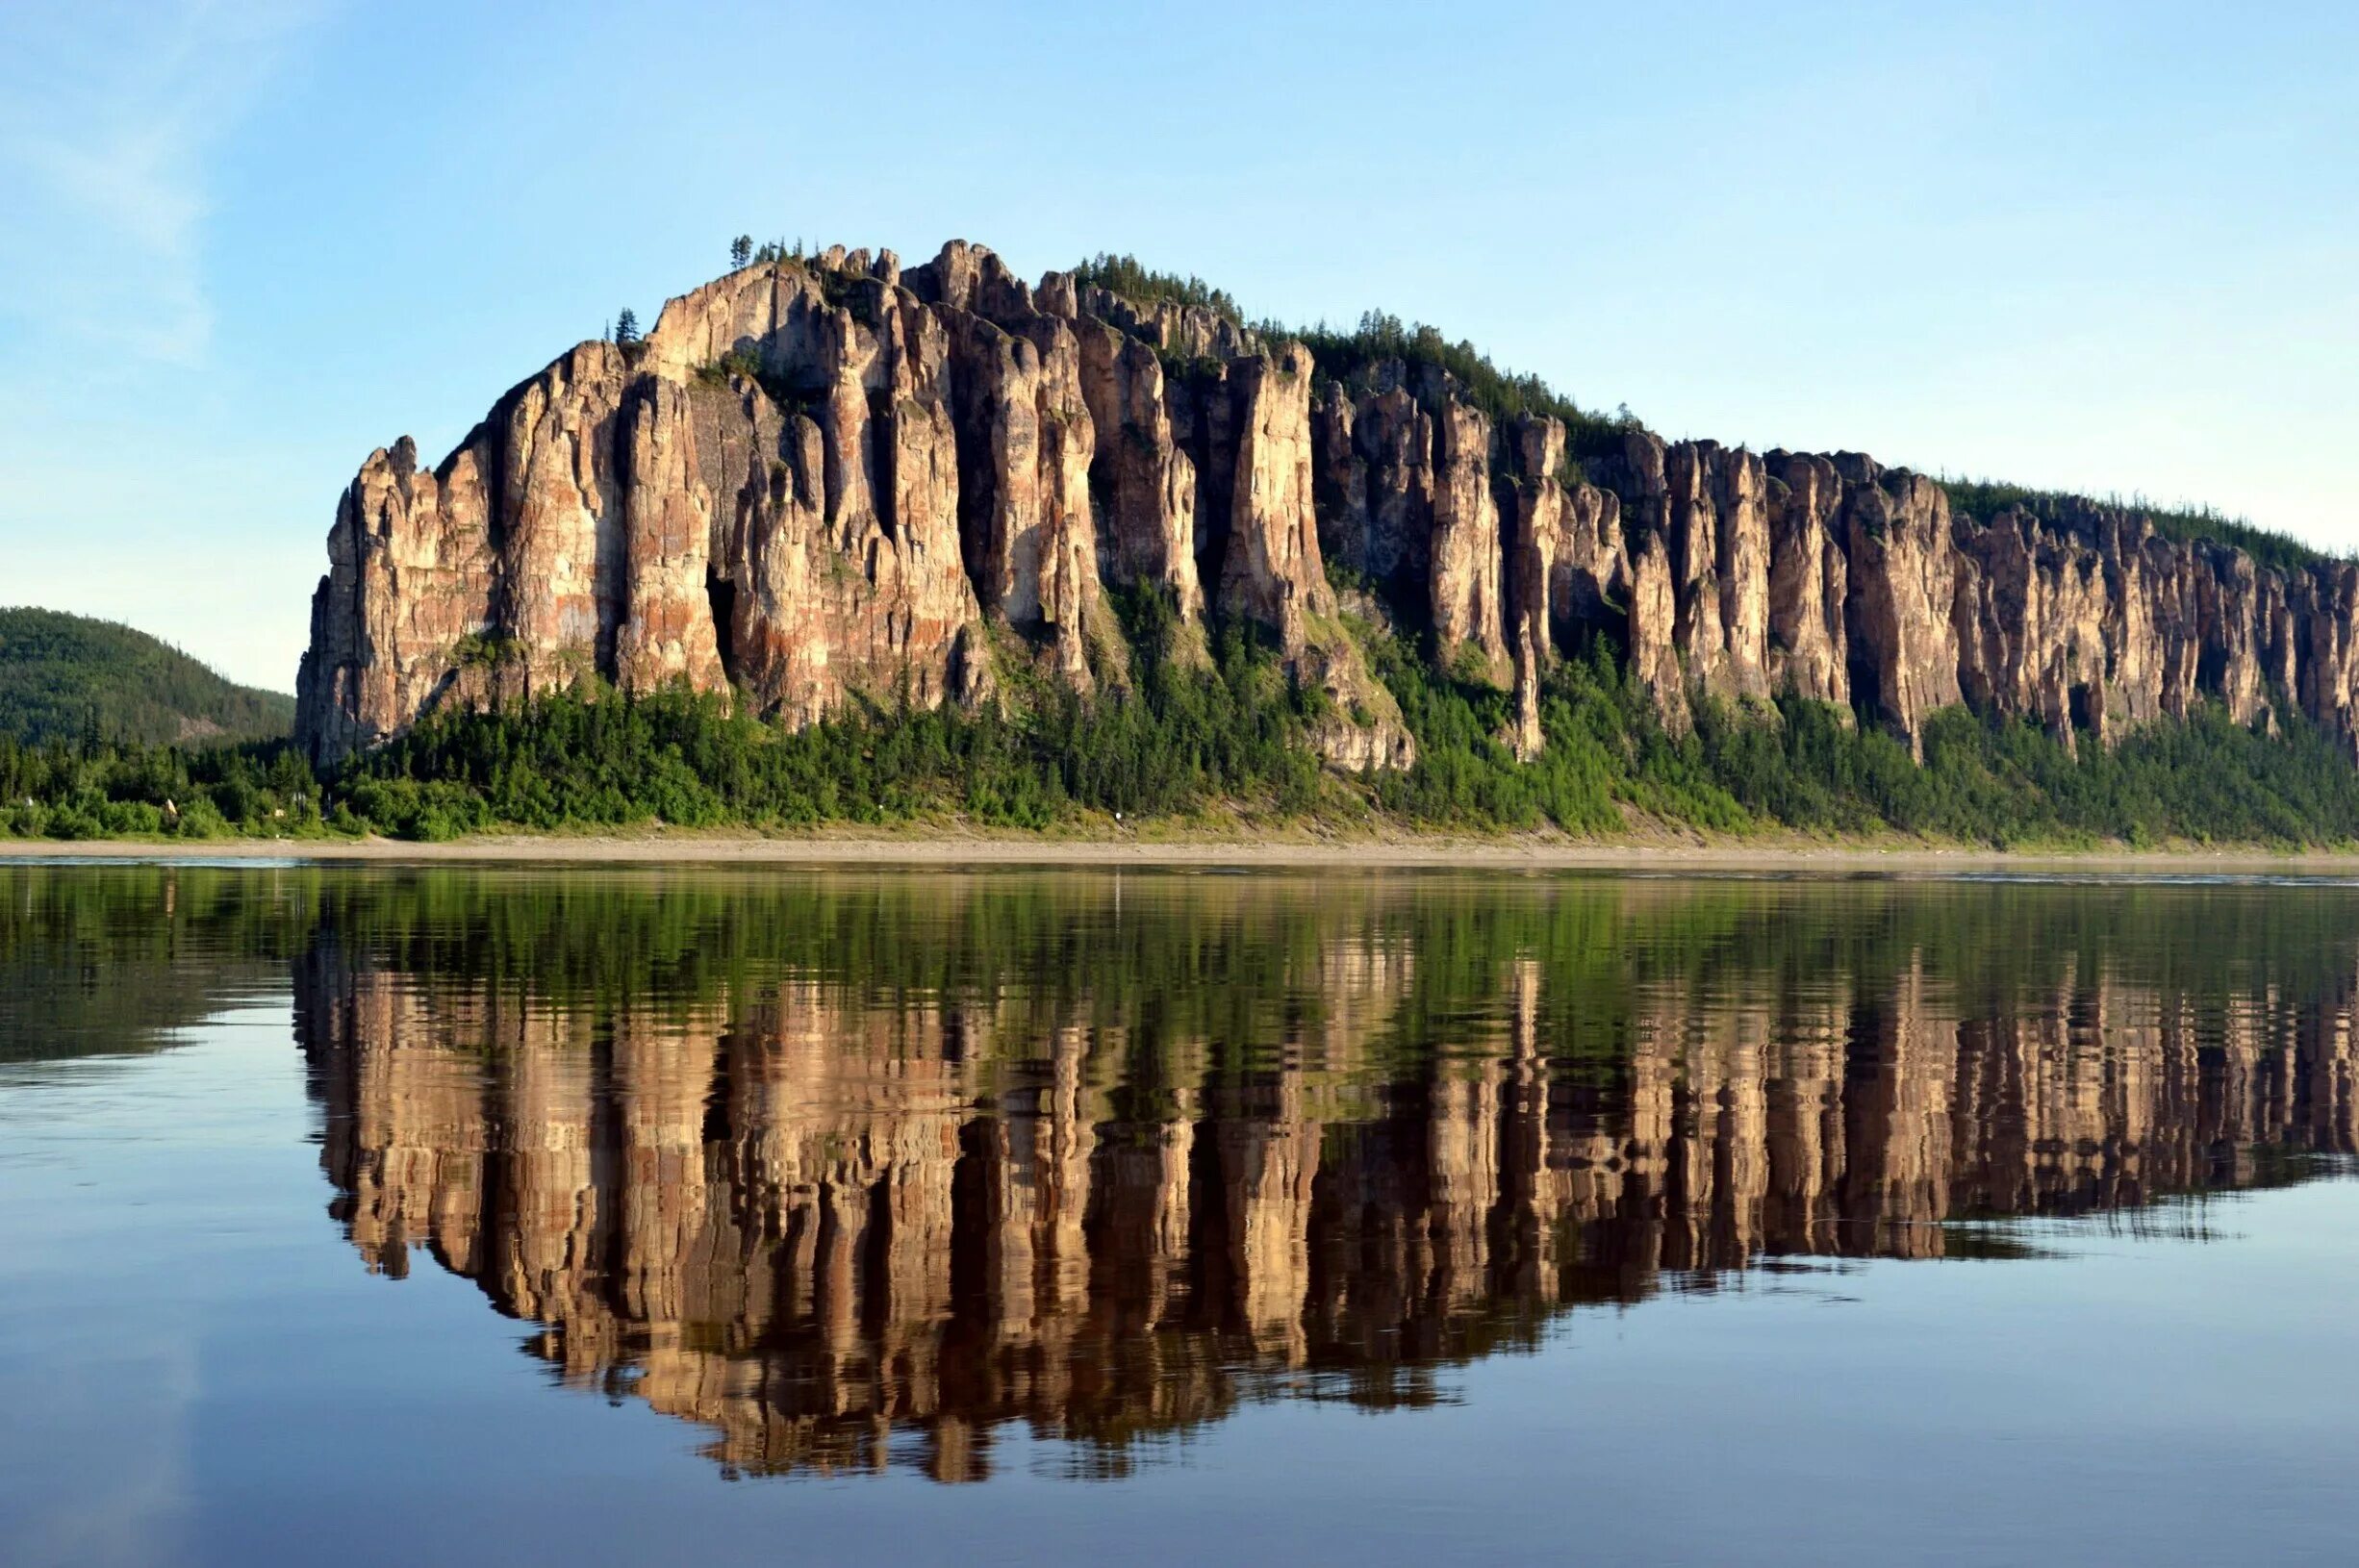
(62, 675)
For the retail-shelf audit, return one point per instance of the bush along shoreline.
(1221, 735)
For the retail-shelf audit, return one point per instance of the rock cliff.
(835, 482)
(824, 483)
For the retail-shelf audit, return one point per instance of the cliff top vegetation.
(1341, 352)
(1983, 499)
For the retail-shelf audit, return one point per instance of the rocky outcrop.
(1271, 570)
(667, 629)
(1808, 581)
(1376, 512)
(1903, 571)
(410, 582)
(1026, 522)
(1834, 579)
(824, 483)
(820, 482)
(1570, 575)
(1188, 332)
(2031, 617)
(1655, 653)
(1146, 527)
(1468, 574)
(1270, 567)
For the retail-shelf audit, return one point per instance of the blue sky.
(242, 242)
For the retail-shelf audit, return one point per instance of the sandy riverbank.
(1305, 852)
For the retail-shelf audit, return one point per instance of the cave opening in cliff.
(1591, 618)
(721, 594)
(2212, 669)
(2083, 702)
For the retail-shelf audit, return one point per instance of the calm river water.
(445, 1215)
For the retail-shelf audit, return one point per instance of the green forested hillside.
(67, 677)
(1225, 743)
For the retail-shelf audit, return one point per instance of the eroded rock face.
(2325, 602)
(1740, 501)
(411, 575)
(1573, 574)
(1376, 475)
(1654, 614)
(1000, 481)
(1874, 595)
(667, 631)
(1271, 571)
(1709, 508)
(1536, 537)
(2031, 619)
(1027, 526)
(1146, 529)
(822, 482)
(643, 514)
(1191, 332)
(1469, 633)
(559, 501)
(1808, 581)
(1526, 738)
(818, 482)
(1903, 574)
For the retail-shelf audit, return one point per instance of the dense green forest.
(1224, 741)
(71, 677)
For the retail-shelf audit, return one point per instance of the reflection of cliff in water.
(855, 1173)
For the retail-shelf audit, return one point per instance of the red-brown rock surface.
(819, 481)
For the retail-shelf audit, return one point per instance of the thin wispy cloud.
(108, 115)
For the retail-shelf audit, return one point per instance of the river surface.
(360, 1214)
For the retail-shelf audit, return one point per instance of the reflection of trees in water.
(856, 1171)
(103, 960)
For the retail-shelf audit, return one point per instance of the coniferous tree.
(626, 326)
(740, 250)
